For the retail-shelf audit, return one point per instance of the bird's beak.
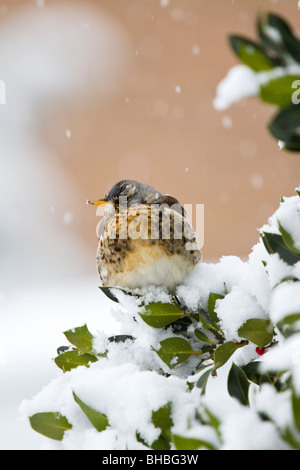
(98, 202)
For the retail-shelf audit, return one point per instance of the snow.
(286, 357)
(67, 217)
(285, 301)
(227, 122)
(195, 50)
(240, 82)
(289, 217)
(237, 307)
(245, 430)
(257, 181)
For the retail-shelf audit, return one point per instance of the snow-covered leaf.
(107, 291)
(174, 351)
(81, 338)
(251, 54)
(71, 359)
(274, 243)
(162, 419)
(212, 298)
(288, 239)
(278, 34)
(98, 420)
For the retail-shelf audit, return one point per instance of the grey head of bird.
(128, 193)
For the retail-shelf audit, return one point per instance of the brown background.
(176, 142)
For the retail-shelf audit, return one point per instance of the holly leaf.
(81, 338)
(174, 351)
(225, 351)
(98, 420)
(251, 53)
(211, 305)
(284, 126)
(288, 239)
(50, 424)
(162, 419)
(238, 384)
(257, 330)
(190, 443)
(159, 314)
(278, 91)
(274, 243)
(71, 359)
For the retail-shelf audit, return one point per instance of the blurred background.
(101, 90)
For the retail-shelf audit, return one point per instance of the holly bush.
(178, 346)
(275, 58)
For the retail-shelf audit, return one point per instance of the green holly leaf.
(162, 419)
(202, 337)
(202, 381)
(81, 338)
(174, 351)
(98, 420)
(288, 239)
(225, 351)
(211, 305)
(255, 375)
(274, 243)
(159, 314)
(71, 359)
(238, 384)
(251, 53)
(120, 338)
(190, 443)
(296, 408)
(107, 291)
(50, 424)
(285, 127)
(286, 43)
(257, 330)
(279, 91)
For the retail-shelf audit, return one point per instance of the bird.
(144, 238)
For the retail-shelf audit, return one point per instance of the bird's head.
(128, 193)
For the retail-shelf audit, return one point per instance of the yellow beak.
(98, 202)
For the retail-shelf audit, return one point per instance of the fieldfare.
(144, 238)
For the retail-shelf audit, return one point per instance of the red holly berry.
(260, 351)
